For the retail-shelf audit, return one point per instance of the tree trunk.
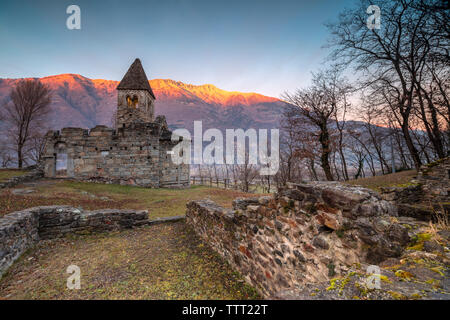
(19, 156)
(324, 139)
(409, 143)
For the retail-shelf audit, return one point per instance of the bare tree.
(36, 147)
(246, 172)
(399, 62)
(317, 105)
(5, 158)
(26, 113)
(290, 148)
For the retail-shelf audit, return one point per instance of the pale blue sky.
(249, 45)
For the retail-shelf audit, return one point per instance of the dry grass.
(91, 196)
(398, 179)
(440, 218)
(153, 262)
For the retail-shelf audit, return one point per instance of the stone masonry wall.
(144, 111)
(29, 176)
(426, 194)
(434, 179)
(432, 184)
(308, 233)
(20, 230)
(136, 154)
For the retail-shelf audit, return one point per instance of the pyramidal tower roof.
(135, 79)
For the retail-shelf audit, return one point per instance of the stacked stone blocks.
(308, 233)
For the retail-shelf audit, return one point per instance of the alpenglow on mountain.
(82, 102)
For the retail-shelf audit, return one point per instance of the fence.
(229, 184)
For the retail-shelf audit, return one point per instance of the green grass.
(91, 196)
(398, 179)
(154, 262)
(6, 174)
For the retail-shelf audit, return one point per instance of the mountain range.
(78, 101)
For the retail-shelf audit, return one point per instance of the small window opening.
(135, 102)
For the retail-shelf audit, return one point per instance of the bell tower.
(135, 98)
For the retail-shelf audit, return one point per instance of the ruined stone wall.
(21, 230)
(136, 154)
(434, 179)
(306, 234)
(32, 175)
(425, 196)
(172, 175)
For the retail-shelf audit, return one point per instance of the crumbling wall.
(306, 234)
(426, 195)
(21, 230)
(434, 178)
(32, 175)
(135, 154)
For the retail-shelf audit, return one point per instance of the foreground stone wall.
(426, 196)
(135, 154)
(29, 176)
(22, 229)
(308, 233)
(434, 179)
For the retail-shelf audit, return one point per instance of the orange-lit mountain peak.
(75, 81)
(209, 93)
(78, 101)
(63, 77)
(164, 89)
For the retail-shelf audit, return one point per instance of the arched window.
(135, 102)
(129, 102)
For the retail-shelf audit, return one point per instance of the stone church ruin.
(136, 152)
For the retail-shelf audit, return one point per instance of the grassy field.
(91, 196)
(6, 174)
(398, 179)
(153, 262)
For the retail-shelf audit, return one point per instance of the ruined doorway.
(61, 160)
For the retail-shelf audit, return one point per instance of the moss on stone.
(404, 275)
(338, 284)
(418, 241)
(385, 279)
(333, 283)
(397, 295)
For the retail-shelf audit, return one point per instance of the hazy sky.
(248, 45)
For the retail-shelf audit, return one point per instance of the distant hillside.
(82, 102)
